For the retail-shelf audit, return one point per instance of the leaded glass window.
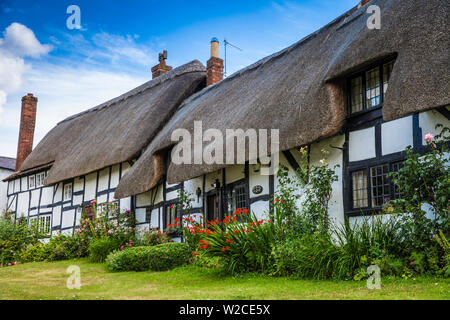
(359, 188)
(380, 186)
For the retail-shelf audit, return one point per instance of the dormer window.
(367, 88)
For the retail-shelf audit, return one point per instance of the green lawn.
(47, 280)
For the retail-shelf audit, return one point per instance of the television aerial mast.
(226, 43)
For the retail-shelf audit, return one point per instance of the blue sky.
(72, 70)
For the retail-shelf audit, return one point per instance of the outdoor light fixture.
(198, 192)
(217, 184)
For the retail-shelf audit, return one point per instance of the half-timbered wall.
(27, 198)
(370, 143)
(4, 188)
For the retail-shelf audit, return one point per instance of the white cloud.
(105, 67)
(11, 71)
(2, 100)
(20, 41)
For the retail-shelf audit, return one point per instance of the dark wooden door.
(213, 207)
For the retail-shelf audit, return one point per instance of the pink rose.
(429, 137)
(121, 248)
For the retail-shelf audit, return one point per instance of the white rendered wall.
(396, 135)
(362, 144)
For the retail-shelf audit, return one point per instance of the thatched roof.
(7, 163)
(300, 90)
(117, 130)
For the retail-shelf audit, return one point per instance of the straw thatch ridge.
(301, 90)
(117, 130)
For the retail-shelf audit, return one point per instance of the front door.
(213, 207)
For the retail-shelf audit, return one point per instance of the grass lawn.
(47, 280)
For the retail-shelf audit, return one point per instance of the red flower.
(223, 249)
(269, 221)
(228, 240)
(236, 231)
(252, 224)
(194, 254)
(171, 207)
(245, 211)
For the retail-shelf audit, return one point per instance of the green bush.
(99, 249)
(130, 259)
(33, 253)
(15, 238)
(153, 238)
(59, 247)
(170, 255)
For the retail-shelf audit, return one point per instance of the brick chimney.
(161, 67)
(27, 124)
(214, 66)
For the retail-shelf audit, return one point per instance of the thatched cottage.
(362, 93)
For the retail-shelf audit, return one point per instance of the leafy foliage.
(100, 248)
(167, 256)
(15, 237)
(130, 259)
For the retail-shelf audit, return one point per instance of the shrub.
(129, 259)
(345, 252)
(59, 247)
(153, 238)
(14, 238)
(99, 249)
(110, 223)
(33, 253)
(167, 256)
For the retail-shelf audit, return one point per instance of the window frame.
(31, 178)
(362, 74)
(43, 222)
(168, 210)
(242, 183)
(64, 192)
(367, 166)
(41, 179)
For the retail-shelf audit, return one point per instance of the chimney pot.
(161, 67)
(214, 66)
(26, 131)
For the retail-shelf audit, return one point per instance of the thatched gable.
(117, 130)
(301, 89)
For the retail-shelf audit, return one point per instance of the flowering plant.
(110, 223)
(241, 246)
(424, 182)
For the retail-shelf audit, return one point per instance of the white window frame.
(40, 179)
(31, 181)
(68, 191)
(44, 223)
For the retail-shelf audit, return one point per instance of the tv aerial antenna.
(225, 44)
